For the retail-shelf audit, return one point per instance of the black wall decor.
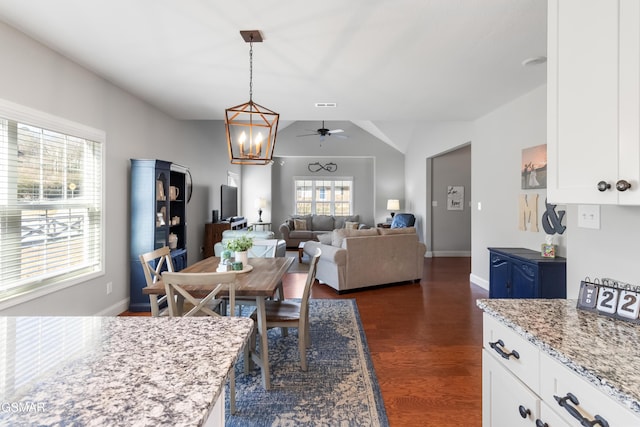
(552, 221)
(317, 167)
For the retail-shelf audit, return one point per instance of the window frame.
(333, 181)
(40, 119)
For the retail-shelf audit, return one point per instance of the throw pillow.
(350, 224)
(299, 224)
(338, 235)
(325, 238)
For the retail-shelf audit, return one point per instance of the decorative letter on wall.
(528, 212)
(552, 221)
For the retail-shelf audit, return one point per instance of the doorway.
(448, 198)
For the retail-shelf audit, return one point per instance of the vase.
(243, 257)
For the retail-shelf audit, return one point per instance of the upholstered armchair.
(403, 220)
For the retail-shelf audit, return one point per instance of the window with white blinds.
(323, 196)
(50, 201)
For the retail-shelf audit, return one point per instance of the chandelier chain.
(251, 69)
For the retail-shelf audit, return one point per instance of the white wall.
(611, 252)
(496, 158)
(36, 77)
(429, 140)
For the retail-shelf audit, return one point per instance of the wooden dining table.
(260, 283)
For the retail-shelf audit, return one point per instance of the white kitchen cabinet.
(559, 381)
(506, 400)
(593, 101)
(520, 382)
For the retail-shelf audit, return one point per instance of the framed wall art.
(534, 167)
(455, 197)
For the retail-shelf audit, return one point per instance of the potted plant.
(240, 246)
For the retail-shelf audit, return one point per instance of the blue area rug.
(339, 389)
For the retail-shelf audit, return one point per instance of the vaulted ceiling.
(378, 60)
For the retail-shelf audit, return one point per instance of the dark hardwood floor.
(425, 341)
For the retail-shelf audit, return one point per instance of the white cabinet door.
(548, 418)
(590, 403)
(592, 104)
(505, 400)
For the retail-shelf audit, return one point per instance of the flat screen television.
(228, 202)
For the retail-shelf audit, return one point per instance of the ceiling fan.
(322, 132)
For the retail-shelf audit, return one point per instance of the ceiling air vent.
(326, 104)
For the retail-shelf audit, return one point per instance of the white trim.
(115, 309)
(478, 281)
(451, 253)
(41, 119)
(32, 294)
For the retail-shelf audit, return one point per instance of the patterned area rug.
(339, 389)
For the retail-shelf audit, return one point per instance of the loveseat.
(357, 259)
(303, 228)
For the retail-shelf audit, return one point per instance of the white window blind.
(323, 196)
(50, 204)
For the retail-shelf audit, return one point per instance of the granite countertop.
(115, 371)
(602, 350)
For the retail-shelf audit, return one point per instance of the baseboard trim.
(115, 309)
(459, 254)
(479, 281)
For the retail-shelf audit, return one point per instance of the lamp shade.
(393, 205)
(261, 203)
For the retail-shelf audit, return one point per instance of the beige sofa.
(297, 229)
(363, 258)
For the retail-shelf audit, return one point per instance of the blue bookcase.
(158, 202)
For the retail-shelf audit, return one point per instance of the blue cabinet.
(158, 217)
(523, 273)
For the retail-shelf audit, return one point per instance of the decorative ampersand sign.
(552, 221)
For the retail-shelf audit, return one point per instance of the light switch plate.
(589, 216)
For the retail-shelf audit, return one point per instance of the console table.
(213, 233)
(523, 273)
(264, 226)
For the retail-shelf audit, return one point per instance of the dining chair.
(152, 265)
(293, 314)
(184, 283)
(263, 248)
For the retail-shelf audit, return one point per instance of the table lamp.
(393, 205)
(260, 203)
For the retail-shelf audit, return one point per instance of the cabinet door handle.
(498, 347)
(623, 185)
(573, 411)
(524, 412)
(540, 423)
(603, 186)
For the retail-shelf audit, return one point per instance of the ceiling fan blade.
(342, 136)
(336, 131)
(308, 134)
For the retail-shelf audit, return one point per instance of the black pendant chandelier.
(251, 128)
